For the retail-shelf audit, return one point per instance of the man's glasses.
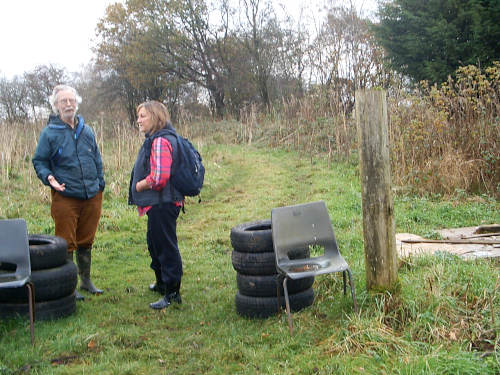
(68, 100)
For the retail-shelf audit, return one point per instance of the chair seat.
(12, 280)
(300, 268)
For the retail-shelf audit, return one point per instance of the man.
(68, 160)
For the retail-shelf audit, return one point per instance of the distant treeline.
(218, 58)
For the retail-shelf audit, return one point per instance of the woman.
(151, 190)
(68, 160)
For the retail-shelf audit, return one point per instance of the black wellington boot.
(78, 296)
(84, 260)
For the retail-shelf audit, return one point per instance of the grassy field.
(444, 320)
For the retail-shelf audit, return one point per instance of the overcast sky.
(61, 32)
(42, 32)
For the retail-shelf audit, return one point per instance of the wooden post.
(378, 207)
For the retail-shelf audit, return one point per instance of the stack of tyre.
(256, 276)
(53, 276)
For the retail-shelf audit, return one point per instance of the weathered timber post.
(378, 207)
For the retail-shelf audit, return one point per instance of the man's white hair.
(55, 93)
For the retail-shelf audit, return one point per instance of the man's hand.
(56, 185)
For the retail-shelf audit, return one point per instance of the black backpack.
(188, 171)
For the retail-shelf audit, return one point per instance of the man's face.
(66, 105)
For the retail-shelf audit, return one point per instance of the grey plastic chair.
(14, 249)
(306, 226)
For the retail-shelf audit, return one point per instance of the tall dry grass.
(17, 145)
(443, 140)
(316, 125)
(119, 145)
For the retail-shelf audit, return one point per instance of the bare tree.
(13, 99)
(194, 49)
(275, 50)
(39, 84)
(345, 56)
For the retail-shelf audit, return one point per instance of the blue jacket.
(71, 156)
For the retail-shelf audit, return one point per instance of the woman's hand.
(56, 185)
(142, 185)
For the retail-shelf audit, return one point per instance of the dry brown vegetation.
(443, 140)
(448, 139)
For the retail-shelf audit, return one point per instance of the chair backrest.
(302, 226)
(14, 245)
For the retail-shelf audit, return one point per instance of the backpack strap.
(175, 158)
(79, 128)
(172, 132)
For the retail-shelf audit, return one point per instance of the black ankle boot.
(166, 301)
